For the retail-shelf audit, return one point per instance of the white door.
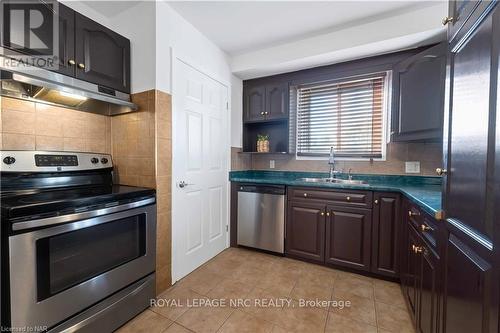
(200, 160)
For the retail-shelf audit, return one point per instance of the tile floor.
(375, 305)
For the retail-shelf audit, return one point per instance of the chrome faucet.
(331, 162)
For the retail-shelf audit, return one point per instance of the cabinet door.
(348, 237)
(459, 11)
(305, 231)
(103, 56)
(470, 291)
(67, 62)
(276, 101)
(385, 234)
(429, 291)
(412, 269)
(419, 96)
(255, 105)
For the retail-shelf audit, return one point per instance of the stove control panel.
(55, 160)
(51, 161)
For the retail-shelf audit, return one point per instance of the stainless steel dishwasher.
(261, 217)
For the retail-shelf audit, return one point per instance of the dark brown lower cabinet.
(410, 271)
(348, 237)
(470, 289)
(420, 280)
(385, 234)
(428, 306)
(305, 231)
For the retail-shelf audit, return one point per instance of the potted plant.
(263, 143)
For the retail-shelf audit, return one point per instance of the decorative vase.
(263, 146)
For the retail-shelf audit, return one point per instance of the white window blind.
(347, 115)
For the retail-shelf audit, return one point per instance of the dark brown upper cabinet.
(66, 59)
(348, 237)
(266, 101)
(418, 96)
(305, 231)
(87, 50)
(385, 234)
(103, 56)
(255, 103)
(277, 101)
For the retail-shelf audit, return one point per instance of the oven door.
(61, 270)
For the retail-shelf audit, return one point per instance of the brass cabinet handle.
(80, 65)
(262, 113)
(71, 62)
(447, 19)
(417, 249)
(425, 228)
(348, 198)
(441, 172)
(376, 202)
(322, 213)
(328, 214)
(410, 213)
(266, 113)
(305, 195)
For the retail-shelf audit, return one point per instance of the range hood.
(40, 85)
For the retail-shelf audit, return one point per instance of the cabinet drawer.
(426, 225)
(334, 197)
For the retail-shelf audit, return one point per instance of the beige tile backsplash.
(28, 125)
(140, 143)
(429, 155)
(142, 152)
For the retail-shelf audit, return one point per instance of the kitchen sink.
(333, 180)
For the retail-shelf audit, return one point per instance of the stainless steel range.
(78, 252)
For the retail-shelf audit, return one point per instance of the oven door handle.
(79, 216)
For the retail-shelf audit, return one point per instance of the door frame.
(175, 61)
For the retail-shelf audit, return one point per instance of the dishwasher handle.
(267, 189)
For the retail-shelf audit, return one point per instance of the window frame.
(386, 116)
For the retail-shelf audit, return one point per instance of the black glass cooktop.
(28, 204)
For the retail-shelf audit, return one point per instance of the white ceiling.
(242, 26)
(110, 9)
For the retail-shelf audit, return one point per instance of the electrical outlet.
(271, 164)
(412, 167)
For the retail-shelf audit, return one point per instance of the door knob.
(441, 172)
(447, 20)
(71, 62)
(183, 184)
(80, 65)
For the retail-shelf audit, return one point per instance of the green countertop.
(424, 191)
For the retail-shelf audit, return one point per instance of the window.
(345, 114)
